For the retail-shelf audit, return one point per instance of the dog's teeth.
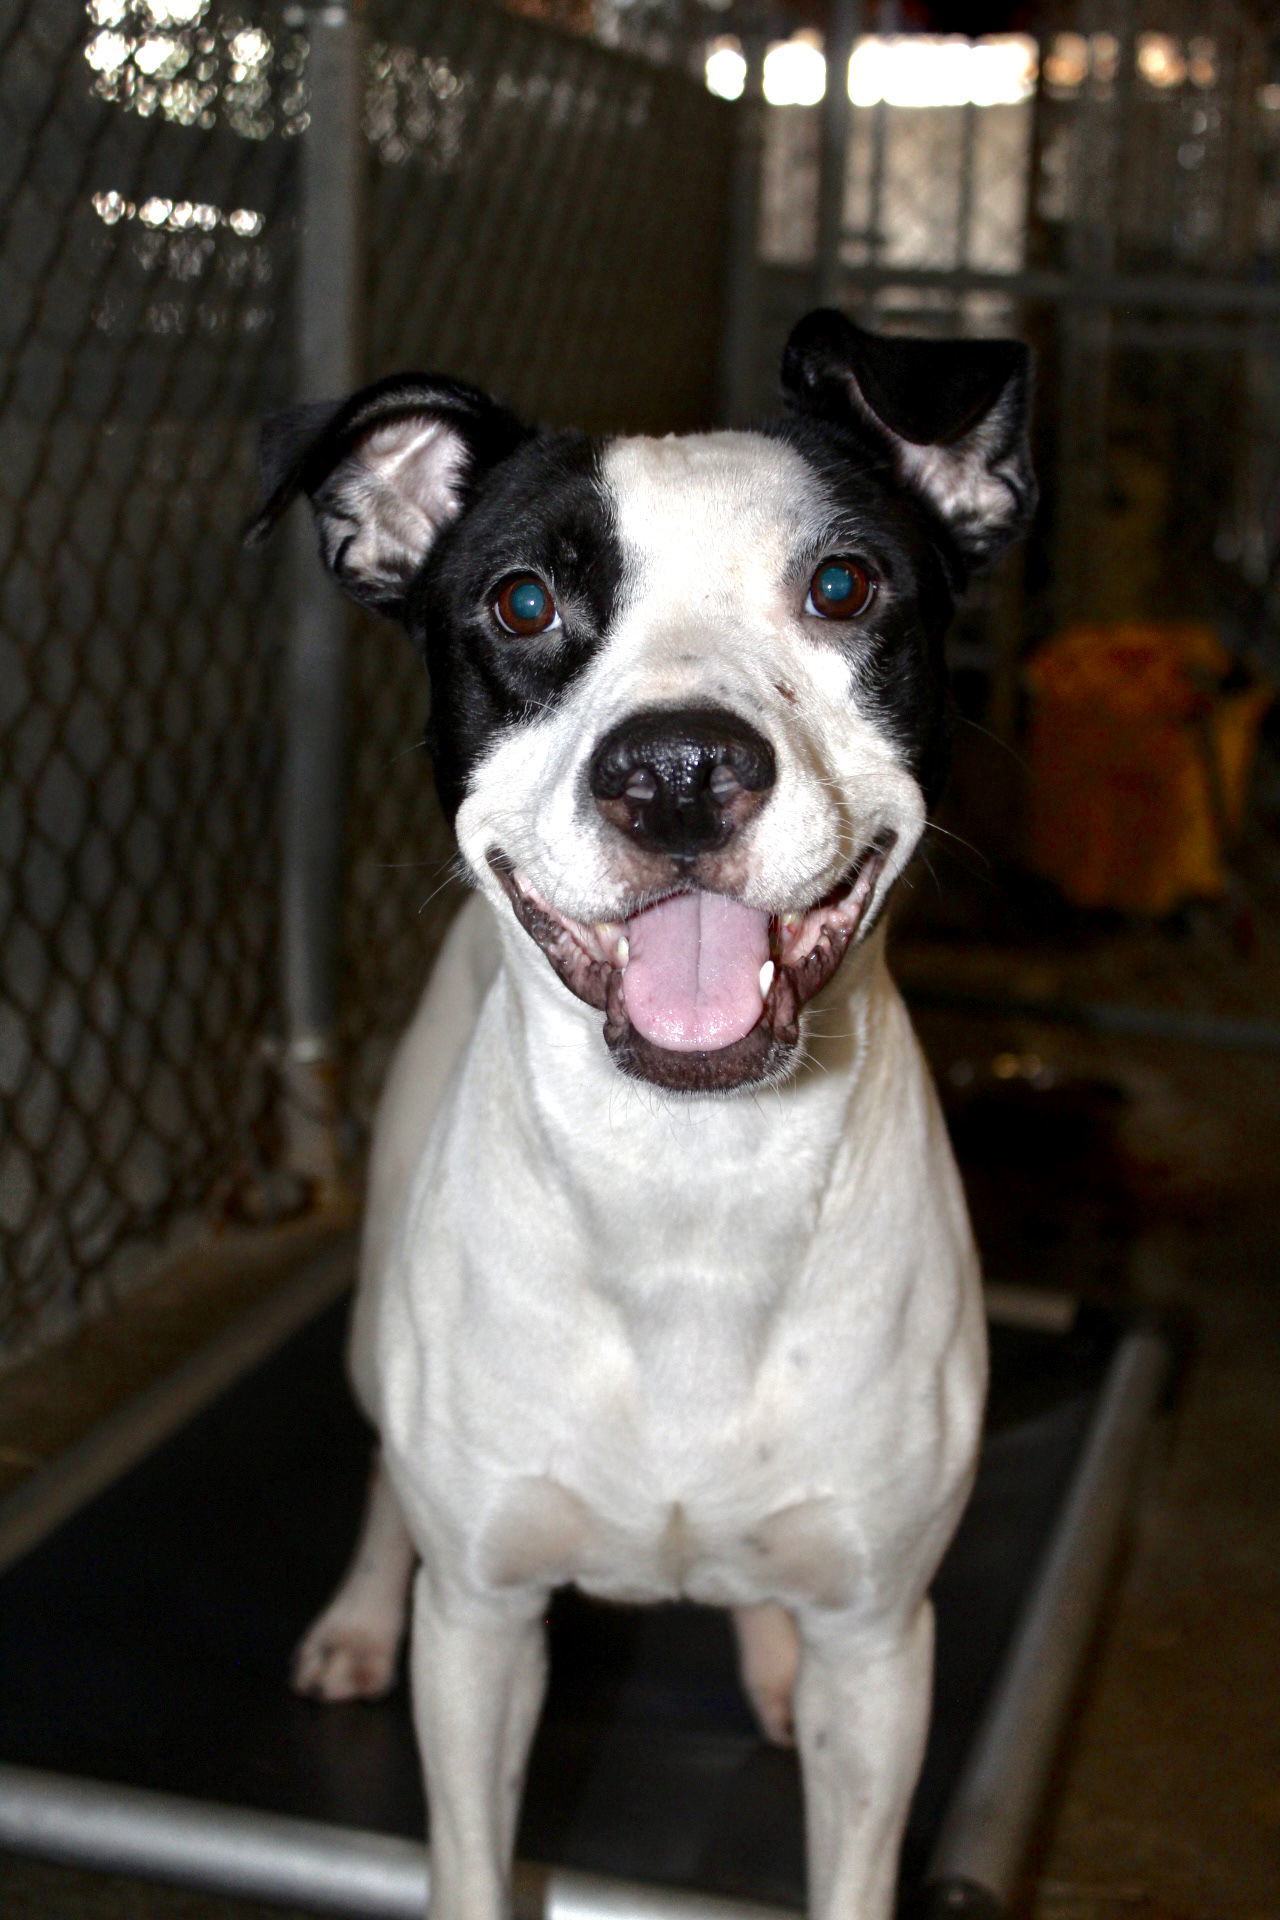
(612, 940)
(766, 978)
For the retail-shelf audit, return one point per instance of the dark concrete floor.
(1166, 1804)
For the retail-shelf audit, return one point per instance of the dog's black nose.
(681, 781)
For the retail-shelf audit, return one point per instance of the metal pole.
(984, 1838)
(1099, 1016)
(307, 1863)
(742, 278)
(1157, 293)
(329, 298)
(844, 27)
(964, 208)
(1086, 353)
(887, 24)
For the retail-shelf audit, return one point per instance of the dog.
(667, 1286)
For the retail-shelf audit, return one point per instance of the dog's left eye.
(840, 590)
(524, 606)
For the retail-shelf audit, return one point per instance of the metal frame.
(992, 1815)
(1161, 292)
(343, 1870)
(1101, 1016)
(271, 1857)
(330, 296)
(742, 264)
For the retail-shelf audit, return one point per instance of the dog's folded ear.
(953, 413)
(385, 471)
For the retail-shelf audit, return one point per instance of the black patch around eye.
(544, 511)
(899, 641)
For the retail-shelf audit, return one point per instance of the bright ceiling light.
(934, 70)
(795, 73)
(1160, 60)
(176, 13)
(1002, 70)
(1066, 64)
(726, 69)
(107, 52)
(157, 51)
(177, 216)
(250, 47)
(904, 70)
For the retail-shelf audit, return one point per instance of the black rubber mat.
(147, 1641)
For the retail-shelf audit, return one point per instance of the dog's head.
(688, 695)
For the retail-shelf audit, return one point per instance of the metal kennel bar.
(270, 1857)
(1094, 1016)
(987, 1830)
(328, 313)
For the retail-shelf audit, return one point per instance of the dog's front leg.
(479, 1673)
(350, 1652)
(862, 1709)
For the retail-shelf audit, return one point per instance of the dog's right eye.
(524, 606)
(840, 590)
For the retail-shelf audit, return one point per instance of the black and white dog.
(667, 1284)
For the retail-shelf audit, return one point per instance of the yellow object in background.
(1140, 763)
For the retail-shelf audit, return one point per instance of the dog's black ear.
(385, 471)
(954, 414)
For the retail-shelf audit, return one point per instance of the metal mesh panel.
(144, 260)
(547, 219)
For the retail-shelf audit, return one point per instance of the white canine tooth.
(790, 921)
(766, 978)
(612, 940)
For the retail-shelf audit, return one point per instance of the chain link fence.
(544, 216)
(576, 200)
(144, 265)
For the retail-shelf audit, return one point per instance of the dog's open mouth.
(700, 992)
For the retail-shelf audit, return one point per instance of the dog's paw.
(769, 1653)
(773, 1709)
(345, 1659)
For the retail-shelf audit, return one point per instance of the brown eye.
(839, 590)
(524, 606)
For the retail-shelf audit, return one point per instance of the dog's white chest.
(713, 1550)
(698, 1440)
(659, 1471)
(717, 1352)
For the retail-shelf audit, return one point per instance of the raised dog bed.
(146, 1625)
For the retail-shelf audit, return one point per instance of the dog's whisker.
(450, 880)
(1006, 746)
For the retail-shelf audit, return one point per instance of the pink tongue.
(692, 980)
